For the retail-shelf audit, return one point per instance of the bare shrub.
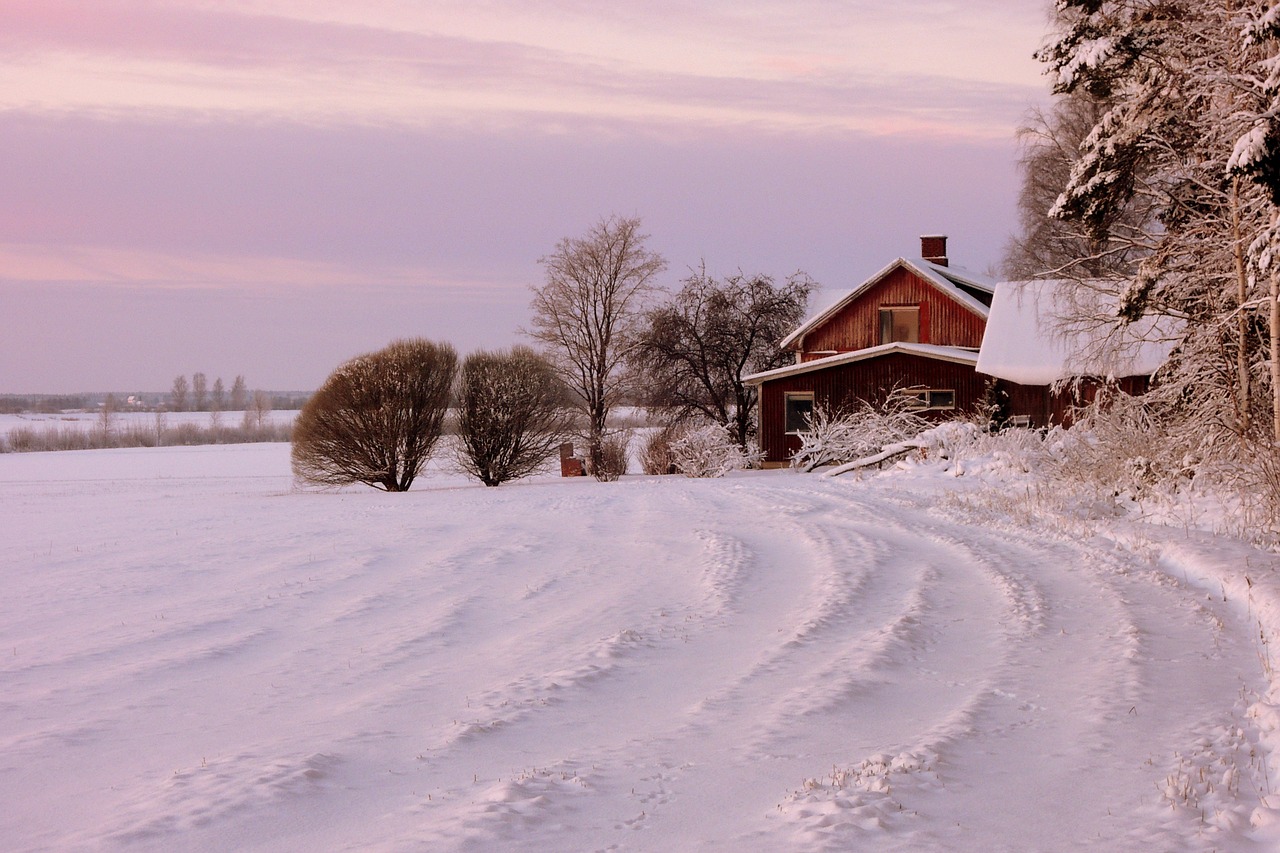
(511, 414)
(377, 418)
(610, 462)
(22, 440)
(135, 434)
(834, 438)
(656, 456)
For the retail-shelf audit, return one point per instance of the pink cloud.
(488, 78)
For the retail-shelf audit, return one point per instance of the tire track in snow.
(767, 662)
(1077, 665)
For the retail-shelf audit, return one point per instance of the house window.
(930, 398)
(799, 409)
(900, 324)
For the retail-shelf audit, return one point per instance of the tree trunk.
(1275, 354)
(1245, 396)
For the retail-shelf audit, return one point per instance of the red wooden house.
(1051, 346)
(915, 325)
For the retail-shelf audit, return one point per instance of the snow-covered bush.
(837, 437)
(708, 451)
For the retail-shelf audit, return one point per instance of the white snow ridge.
(196, 656)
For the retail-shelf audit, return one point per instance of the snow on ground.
(86, 421)
(195, 655)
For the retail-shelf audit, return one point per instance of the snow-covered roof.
(960, 355)
(949, 280)
(1040, 332)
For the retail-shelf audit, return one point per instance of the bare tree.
(377, 418)
(1054, 247)
(178, 395)
(588, 312)
(255, 416)
(219, 397)
(107, 420)
(512, 414)
(239, 395)
(697, 347)
(199, 392)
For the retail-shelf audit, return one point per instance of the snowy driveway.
(196, 657)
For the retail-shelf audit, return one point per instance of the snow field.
(195, 655)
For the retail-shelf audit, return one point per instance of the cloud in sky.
(803, 64)
(311, 179)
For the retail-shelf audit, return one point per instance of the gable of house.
(909, 301)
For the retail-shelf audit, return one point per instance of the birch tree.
(587, 313)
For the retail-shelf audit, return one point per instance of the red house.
(1051, 346)
(915, 325)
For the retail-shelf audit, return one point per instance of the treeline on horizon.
(144, 401)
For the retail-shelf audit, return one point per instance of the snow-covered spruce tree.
(1256, 156)
(1181, 90)
(512, 414)
(377, 418)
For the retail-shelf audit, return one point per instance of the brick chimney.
(933, 248)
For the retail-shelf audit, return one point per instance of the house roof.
(959, 355)
(1039, 332)
(951, 281)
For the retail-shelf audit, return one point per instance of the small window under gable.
(900, 325)
(799, 409)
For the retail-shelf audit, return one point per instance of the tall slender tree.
(587, 314)
(178, 394)
(199, 392)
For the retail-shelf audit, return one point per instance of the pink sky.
(268, 187)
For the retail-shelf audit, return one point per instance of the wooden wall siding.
(943, 321)
(1029, 401)
(1046, 407)
(842, 385)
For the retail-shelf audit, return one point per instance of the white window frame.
(787, 398)
(927, 403)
